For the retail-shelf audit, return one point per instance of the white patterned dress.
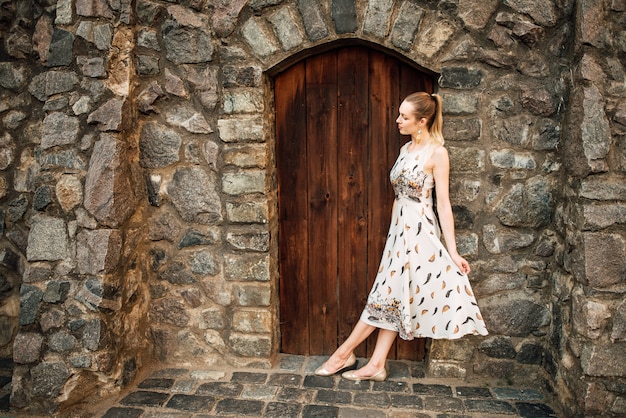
(419, 291)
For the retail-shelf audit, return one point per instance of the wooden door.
(336, 140)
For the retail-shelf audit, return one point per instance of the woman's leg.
(360, 332)
(379, 356)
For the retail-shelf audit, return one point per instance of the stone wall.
(138, 192)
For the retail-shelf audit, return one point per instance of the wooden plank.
(352, 152)
(383, 86)
(411, 81)
(293, 240)
(321, 88)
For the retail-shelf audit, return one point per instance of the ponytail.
(429, 106)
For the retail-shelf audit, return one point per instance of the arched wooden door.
(336, 140)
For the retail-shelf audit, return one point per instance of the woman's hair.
(428, 106)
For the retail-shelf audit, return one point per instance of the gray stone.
(148, 38)
(27, 347)
(56, 291)
(539, 101)
(507, 158)
(204, 263)
(544, 13)
(601, 216)
(246, 267)
(225, 16)
(47, 240)
(618, 331)
(109, 195)
(68, 159)
(547, 137)
(42, 197)
(96, 295)
(193, 193)
(174, 85)
(109, 115)
(259, 38)
(250, 345)
(148, 96)
(13, 75)
(158, 146)
(377, 17)
(603, 187)
(595, 130)
(530, 205)
(344, 16)
(10, 260)
(496, 283)
(7, 151)
(513, 316)
(189, 119)
(459, 104)
(59, 129)
(314, 24)
(80, 361)
(62, 342)
(498, 347)
(185, 38)
(248, 239)
(193, 237)
(604, 256)
(460, 77)
(245, 156)
(30, 297)
(177, 273)
(95, 335)
(476, 15)
(61, 48)
(213, 318)
(98, 251)
(98, 34)
(147, 65)
(406, 25)
(13, 119)
(247, 212)
(53, 318)
(248, 181)
(50, 378)
(250, 76)
(462, 129)
(63, 12)
(164, 226)
(92, 66)
(17, 208)
(604, 359)
(464, 160)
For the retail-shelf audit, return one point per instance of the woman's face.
(408, 124)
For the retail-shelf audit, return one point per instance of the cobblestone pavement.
(290, 389)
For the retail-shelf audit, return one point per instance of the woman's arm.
(441, 173)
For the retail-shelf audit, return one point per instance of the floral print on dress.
(418, 290)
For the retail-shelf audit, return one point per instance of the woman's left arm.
(441, 174)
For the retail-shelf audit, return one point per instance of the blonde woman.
(422, 288)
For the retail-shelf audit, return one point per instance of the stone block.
(53, 318)
(59, 129)
(344, 16)
(60, 52)
(194, 237)
(250, 321)
(247, 212)
(61, 342)
(204, 263)
(603, 187)
(243, 101)
(513, 314)
(600, 216)
(246, 267)
(176, 273)
(169, 311)
(164, 226)
(47, 240)
(213, 318)
(496, 283)
(604, 256)
(405, 26)
(158, 146)
(13, 76)
(618, 333)
(250, 345)
(49, 378)
(432, 41)
(467, 244)
(460, 78)
(462, 129)
(185, 37)
(528, 205)
(467, 160)
(27, 347)
(460, 350)
(260, 38)
(475, 15)
(446, 370)
(547, 136)
(377, 16)
(459, 104)
(98, 251)
(193, 192)
(98, 34)
(287, 29)
(592, 316)
(509, 159)
(498, 347)
(501, 240)
(246, 156)
(313, 19)
(514, 130)
(94, 8)
(249, 239)
(109, 116)
(241, 129)
(188, 118)
(244, 181)
(252, 294)
(604, 359)
(109, 195)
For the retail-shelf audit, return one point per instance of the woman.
(421, 289)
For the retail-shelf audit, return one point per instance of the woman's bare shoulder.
(440, 153)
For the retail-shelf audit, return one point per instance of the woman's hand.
(461, 263)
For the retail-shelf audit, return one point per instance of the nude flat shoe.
(379, 376)
(321, 371)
